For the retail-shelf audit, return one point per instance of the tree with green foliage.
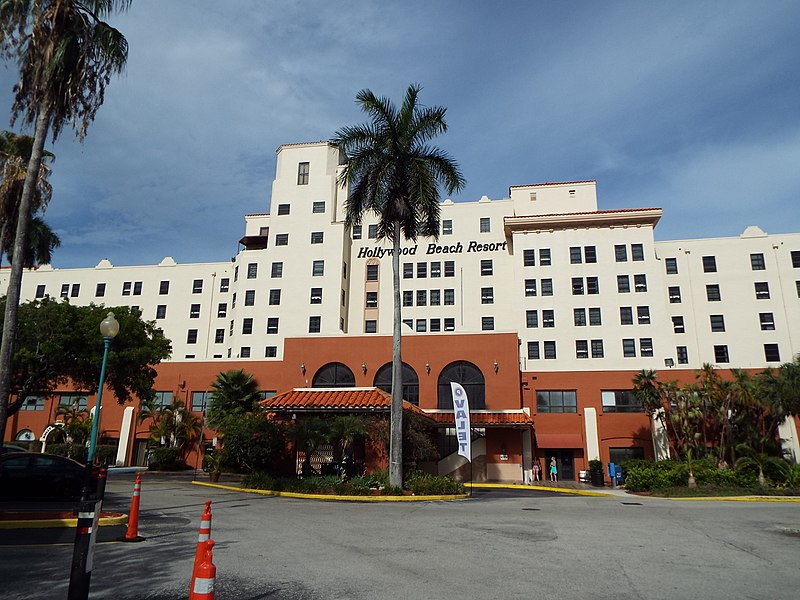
(394, 173)
(308, 434)
(254, 442)
(172, 426)
(58, 343)
(234, 393)
(66, 54)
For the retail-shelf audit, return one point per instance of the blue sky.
(691, 106)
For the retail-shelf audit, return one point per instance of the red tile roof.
(485, 418)
(335, 399)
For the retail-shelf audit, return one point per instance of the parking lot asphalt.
(498, 544)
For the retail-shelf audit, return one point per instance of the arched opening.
(470, 378)
(383, 381)
(333, 375)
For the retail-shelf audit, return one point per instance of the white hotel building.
(543, 304)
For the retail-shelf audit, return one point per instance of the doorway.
(565, 462)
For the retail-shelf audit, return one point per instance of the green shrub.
(391, 490)
(423, 484)
(73, 451)
(106, 453)
(254, 443)
(725, 478)
(258, 480)
(166, 459)
(595, 466)
(647, 475)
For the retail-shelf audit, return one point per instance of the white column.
(660, 440)
(125, 432)
(789, 442)
(592, 439)
(527, 455)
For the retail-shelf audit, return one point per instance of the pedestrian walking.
(536, 470)
(553, 470)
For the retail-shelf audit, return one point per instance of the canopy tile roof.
(335, 399)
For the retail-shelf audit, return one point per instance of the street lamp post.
(90, 504)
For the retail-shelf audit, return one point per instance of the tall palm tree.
(393, 173)
(234, 393)
(66, 55)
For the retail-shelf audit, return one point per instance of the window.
(230, 330)
(408, 298)
(318, 268)
(357, 232)
(575, 257)
(250, 298)
(757, 262)
(544, 257)
(252, 270)
(76, 290)
(550, 350)
(529, 258)
(449, 268)
(485, 225)
(235, 279)
(421, 326)
(797, 285)
(219, 336)
(317, 237)
(318, 207)
(40, 291)
(530, 287)
(370, 326)
(272, 325)
(487, 323)
(762, 290)
(717, 322)
(548, 318)
(436, 325)
(646, 346)
(449, 324)
(533, 350)
(623, 284)
(709, 264)
(677, 325)
(100, 290)
(449, 297)
(283, 209)
(422, 270)
(674, 293)
(302, 173)
(767, 321)
(271, 351)
(314, 324)
(372, 272)
(78, 400)
(422, 297)
(191, 336)
(33, 403)
(595, 317)
(436, 269)
(247, 326)
(487, 268)
(487, 295)
(408, 270)
(194, 311)
(621, 401)
(274, 297)
(531, 318)
(621, 252)
(126, 289)
(721, 354)
(372, 231)
(590, 254)
(772, 353)
(683, 355)
(597, 349)
(796, 259)
(277, 270)
(198, 401)
(556, 401)
(316, 295)
(447, 227)
(643, 315)
(163, 288)
(629, 347)
(244, 352)
(577, 286)
(581, 349)
(626, 315)
(436, 297)
(637, 252)
(671, 265)
(282, 239)
(161, 311)
(579, 316)
(592, 285)
(224, 284)
(640, 282)
(547, 287)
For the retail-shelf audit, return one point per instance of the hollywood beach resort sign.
(433, 249)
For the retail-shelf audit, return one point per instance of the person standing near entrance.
(553, 470)
(536, 470)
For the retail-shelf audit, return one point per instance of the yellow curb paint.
(48, 523)
(736, 499)
(333, 497)
(516, 486)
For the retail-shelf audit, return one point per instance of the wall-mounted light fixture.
(364, 368)
(669, 363)
(303, 368)
(496, 367)
(427, 367)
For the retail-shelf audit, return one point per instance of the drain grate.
(632, 503)
(531, 509)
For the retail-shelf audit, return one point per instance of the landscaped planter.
(598, 479)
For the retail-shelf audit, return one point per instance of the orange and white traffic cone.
(132, 534)
(204, 534)
(204, 575)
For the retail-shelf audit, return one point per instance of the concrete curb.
(736, 499)
(519, 486)
(52, 523)
(330, 497)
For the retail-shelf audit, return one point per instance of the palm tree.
(393, 173)
(234, 393)
(754, 459)
(67, 55)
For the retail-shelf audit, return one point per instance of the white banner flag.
(461, 411)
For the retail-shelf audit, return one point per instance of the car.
(34, 476)
(5, 448)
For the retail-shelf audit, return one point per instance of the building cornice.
(627, 217)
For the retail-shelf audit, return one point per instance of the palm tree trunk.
(15, 280)
(396, 431)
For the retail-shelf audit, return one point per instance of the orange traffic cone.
(133, 518)
(204, 534)
(204, 576)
